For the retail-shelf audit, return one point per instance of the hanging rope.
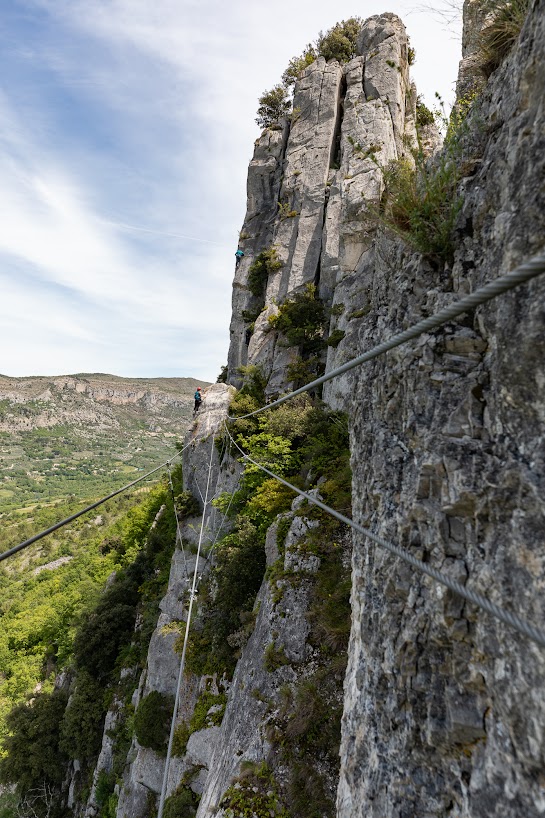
(524, 272)
(508, 617)
(186, 638)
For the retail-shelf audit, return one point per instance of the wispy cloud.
(125, 131)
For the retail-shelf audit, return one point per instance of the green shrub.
(300, 372)
(274, 657)
(263, 265)
(81, 728)
(500, 35)
(187, 505)
(339, 42)
(201, 718)
(180, 739)
(104, 788)
(100, 637)
(181, 804)
(423, 114)
(254, 794)
(222, 377)
(152, 721)
(34, 755)
(335, 338)
(301, 320)
(422, 203)
(253, 386)
(273, 105)
(298, 64)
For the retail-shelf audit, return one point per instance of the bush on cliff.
(301, 320)
(273, 105)
(263, 265)
(499, 36)
(339, 42)
(152, 721)
(33, 748)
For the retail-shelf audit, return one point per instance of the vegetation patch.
(70, 622)
(254, 794)
(501, 33)
(263, 265)
(335, 338)
(301, 320)
(337, 43)
(152, 721)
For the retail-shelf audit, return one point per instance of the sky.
(126, 128)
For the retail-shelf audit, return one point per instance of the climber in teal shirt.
(198, 400)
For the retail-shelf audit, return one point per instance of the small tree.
(273, 105)
(263, 265)
(339, 42)
(298, 64)
(152, 721)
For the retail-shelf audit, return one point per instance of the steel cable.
(75, 516)
(186, 638)
(508, 617)
(524, 272)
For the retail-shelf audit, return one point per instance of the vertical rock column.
(377, 127)
(299, 227)
(263, 191)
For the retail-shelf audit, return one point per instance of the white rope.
(186, 637)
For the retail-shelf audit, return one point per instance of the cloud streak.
(126, 128)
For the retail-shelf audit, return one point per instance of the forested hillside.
(84, 435)
(67, 616)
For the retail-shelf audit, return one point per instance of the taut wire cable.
(508, 617)
(524, 272)
(186, 638)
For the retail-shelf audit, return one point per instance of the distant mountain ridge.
(77, 434)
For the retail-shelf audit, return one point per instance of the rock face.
(347, 121)
(445, 707)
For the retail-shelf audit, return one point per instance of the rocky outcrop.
(347, 122)
(445, 708)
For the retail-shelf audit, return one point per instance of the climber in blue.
(238, 255)
(198, 401)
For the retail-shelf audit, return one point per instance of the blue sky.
(126, 127)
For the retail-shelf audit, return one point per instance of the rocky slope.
(77, 434)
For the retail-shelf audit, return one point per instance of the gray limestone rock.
(444, 706)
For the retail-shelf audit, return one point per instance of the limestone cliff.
(444, 709)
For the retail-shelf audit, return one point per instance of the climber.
(238, 255)
(198, 401)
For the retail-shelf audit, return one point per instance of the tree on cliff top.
(338, 43)
(273, 105)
